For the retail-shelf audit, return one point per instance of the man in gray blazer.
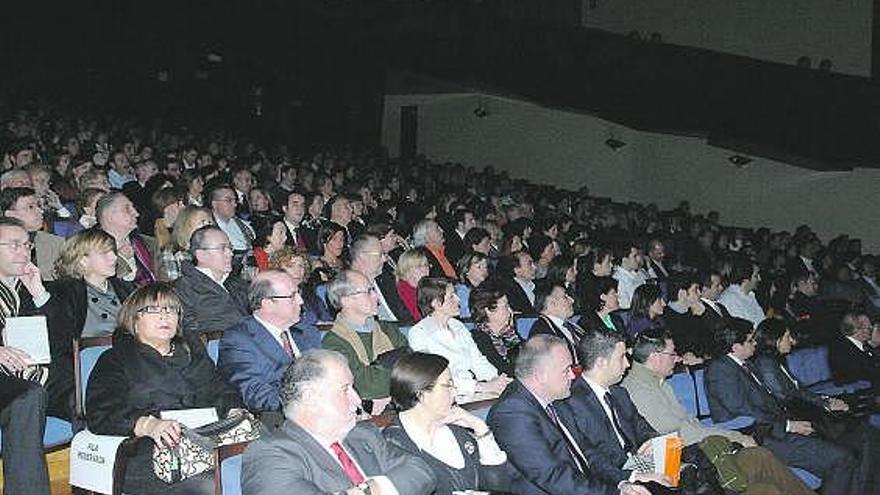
(320, 448)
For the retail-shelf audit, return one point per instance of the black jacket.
(66, 319)
(207, 307)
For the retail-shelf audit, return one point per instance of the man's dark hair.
(647, 343)
(730, 331)
(741, 269)
(11, 195)
(680, 282)
(543, 289)
(595, 345)
(197, 239)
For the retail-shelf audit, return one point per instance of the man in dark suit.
(463, 220)
(556, 306)
(298, 235)
(607, 419)
(733, 390)
(320, 448)
(538, 432)
(517, 274)
(22, 401)
(255, 352)
(851, 357)
(212, 299)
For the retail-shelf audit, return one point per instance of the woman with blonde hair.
(188, 220)
(412, 266)
(86, 300)
(152, 367)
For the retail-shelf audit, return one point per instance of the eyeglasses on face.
(221, 247)
(356, 292)
(282, 296)
(15, 246)
(155, 309)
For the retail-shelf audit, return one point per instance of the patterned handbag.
(194, 454)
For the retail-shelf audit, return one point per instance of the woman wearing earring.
(153, 368)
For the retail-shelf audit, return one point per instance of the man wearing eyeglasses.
(655, 357)
(22, 400)
(733, 390)
(255, 352)
(212, 300)
(370, 346)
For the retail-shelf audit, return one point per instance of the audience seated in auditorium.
(733, 390)
(87, 297)
(440, 332)
(537, 429)
(321, 448)
(153, 367)
(212, 299)
(494, 331)
(457, 445)
(370, 346)
(654, 358)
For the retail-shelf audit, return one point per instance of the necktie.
(627, 443)
(348, 465)
(574, 330)
(579, 460)
(285, 343)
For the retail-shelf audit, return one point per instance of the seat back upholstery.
(86, 352)
(810, 365)
(524, 326)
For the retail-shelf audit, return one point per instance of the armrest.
(737, 423)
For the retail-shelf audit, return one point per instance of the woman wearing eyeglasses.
(457, 445)
(153, 368)
(88, 296)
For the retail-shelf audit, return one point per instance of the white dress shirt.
(600, 392)
(444, 447)
(627, 281)
(742, 305)
(277, 333)
(466, 363)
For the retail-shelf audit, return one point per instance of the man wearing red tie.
(321, 448)
(255, 352)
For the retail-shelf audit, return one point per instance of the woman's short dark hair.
(431, 289)
(767, 335)
(484, 299)
(466, 262)
(594, 288)
(263, 228)
(414, 374)
(558, 269)
(326, 232)
(473, 237)
(643, 297)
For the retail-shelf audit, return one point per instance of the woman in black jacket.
(86, 300)
(457, 445)
(827, 415)
(494, 332)
(153, 368)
